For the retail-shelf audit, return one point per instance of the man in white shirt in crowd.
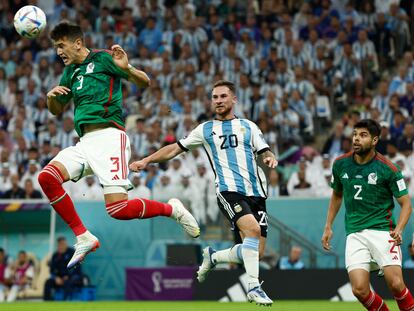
(87, 189)
(140, 190)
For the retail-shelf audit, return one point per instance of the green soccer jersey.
(368, 191)
(96, 90)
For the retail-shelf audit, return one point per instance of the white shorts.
(371, 250)
(105, 153)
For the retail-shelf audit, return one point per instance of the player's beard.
(363, 150)
(224, 112)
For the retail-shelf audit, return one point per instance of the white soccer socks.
(233, 255)
(250, 253)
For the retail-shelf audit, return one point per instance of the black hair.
(65, 29)
(372, 126)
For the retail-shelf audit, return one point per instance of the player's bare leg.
(395, 282)
(51, 179)
(359, 279)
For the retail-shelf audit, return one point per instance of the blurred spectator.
(293, 261)
(406, 140)
(334, 142)
(163, 189)
(22, 274)
(30, 191)
(60, 276)
(4, 267)
(5, 178)
(273, 187)
(88, 189)
(15, 192)
(139, 190)
(206, 201)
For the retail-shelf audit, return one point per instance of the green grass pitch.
(184, 306)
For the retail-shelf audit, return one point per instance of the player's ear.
(375, 140)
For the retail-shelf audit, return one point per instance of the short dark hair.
(65, 29)
(61, 238)
(372, 126)
(229, 84)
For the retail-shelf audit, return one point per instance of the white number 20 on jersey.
(358, 191)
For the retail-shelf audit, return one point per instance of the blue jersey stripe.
(209, 138)
(250, 160)
(232, 158)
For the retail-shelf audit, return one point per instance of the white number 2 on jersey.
(358, 191)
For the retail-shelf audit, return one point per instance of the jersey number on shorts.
(393, 246)
(229, 141)
(358, 191)
(115, 162)
(263, 218)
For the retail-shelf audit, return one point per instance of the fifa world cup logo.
(156, 280)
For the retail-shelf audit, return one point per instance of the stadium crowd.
(302, 69)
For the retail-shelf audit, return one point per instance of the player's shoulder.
(100, 53)
(343, 158)
(385, 162)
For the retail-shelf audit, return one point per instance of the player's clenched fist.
(138, 165)
(119, 56)
(58, 90)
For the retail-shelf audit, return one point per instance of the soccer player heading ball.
(92, 78)
(367, 182)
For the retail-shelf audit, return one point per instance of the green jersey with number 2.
(368, 191)
(96, 90)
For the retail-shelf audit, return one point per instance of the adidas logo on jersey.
(345, 176)
(115, 177)
(395, 257)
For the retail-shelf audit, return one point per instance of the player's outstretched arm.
(334, 206)
(164, 154)
(269, 159)
(406, 209)
(53, 104)
(136, 76)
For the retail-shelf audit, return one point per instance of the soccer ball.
(29, 21)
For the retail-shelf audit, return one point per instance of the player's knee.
(360, 291)
(48, 177)
(396, 285)
(252, 232)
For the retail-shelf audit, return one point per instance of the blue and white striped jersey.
(232, 147)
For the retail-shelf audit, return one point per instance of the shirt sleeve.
(193, 140)
(336, 184)
(111, 67)
(65, 81)
(397, 184)
(258, 140)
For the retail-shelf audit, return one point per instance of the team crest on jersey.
(90, 67)
(237, 208)
(372, 179)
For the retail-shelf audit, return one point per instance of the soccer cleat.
(184, 218)
(206, 265)
(257, 295)
(83, 248)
